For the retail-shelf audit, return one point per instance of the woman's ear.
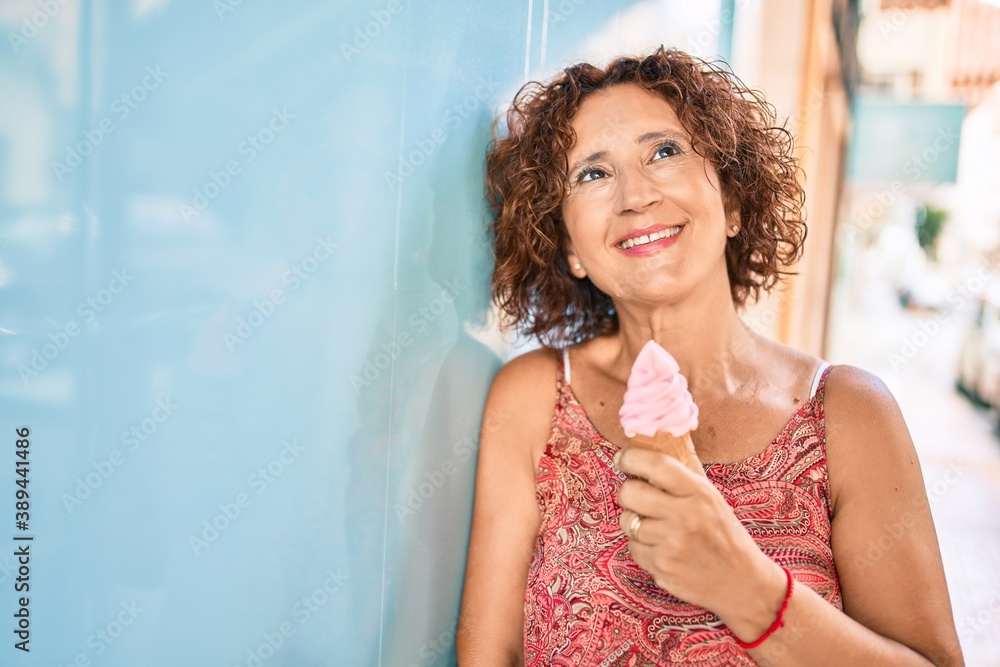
(575, 266)
(733, 223)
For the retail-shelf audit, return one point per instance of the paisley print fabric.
(587, 603)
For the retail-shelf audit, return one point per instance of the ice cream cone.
(680, 448)
(657, 404)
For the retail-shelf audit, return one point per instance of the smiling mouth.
(649, 238)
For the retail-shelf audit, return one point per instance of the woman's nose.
(636, 190)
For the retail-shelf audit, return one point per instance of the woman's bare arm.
(516, 425)
(884, 544)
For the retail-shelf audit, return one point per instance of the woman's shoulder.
(857, 387)
(866, 434)
(849, 390)
(863, 424)
(858, 401)
(523, 397)
(531, 372)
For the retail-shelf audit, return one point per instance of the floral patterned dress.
(588, 603)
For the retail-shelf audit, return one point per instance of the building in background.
(916, 253)
(924, 119)
(932, 49)
(802, 56)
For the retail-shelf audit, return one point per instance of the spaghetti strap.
(816, 378)
(566, 364)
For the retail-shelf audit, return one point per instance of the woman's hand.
(692, 544)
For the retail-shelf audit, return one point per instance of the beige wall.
(796, 64)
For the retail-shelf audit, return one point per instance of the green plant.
(930, 223)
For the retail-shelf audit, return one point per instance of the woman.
(652, 200)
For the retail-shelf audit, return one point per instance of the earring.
(735, 228)
(577, 266)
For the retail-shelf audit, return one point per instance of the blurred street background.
(244, 294)
(914, 292)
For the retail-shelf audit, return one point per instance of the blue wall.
(245, 290)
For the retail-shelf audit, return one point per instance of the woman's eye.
(668, 149)
(590, 174)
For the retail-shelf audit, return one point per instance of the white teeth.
(643, 240)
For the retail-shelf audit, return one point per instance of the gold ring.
(633, 527)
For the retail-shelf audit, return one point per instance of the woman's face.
(633, 174)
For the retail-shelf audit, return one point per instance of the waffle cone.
(680, 448)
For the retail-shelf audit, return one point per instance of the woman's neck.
(705, 335)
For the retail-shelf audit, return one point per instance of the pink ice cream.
(657, 397)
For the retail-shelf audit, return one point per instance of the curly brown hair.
(731, 125)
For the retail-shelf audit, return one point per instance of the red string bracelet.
(778, 621)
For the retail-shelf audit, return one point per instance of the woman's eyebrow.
(641, 139)
(652, 136)
(599, 155)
